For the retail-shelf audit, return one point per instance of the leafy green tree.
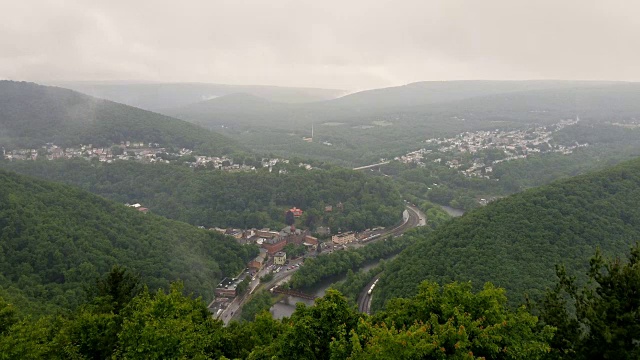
(447, 322)
(7, 316)
(261, 301)
(116, 290)
(243, 285)
(314, 327)
(294, 250)
(169, 325)
(36, 339)
(289, 219)
(602, 319)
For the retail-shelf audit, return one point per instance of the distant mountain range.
(515, 242)
(393, 120)
(417, 98)
(158, 96)
(32, 115)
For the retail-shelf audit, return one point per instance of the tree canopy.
(55, 239)
(515, 242)
(210, 198)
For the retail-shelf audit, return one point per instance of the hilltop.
(32, 115)
(515, 242)
(231, 110)
(159, 96)
(362, 127)
(233, 199)
(55, 240)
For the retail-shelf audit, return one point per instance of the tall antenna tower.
(576, 106)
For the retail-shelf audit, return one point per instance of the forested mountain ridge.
(158, 96)
(32, 115)
(244, 199)
(56, 239)
(515, 242)
(361, 128)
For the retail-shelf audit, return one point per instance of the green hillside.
(515, 242)
(55, 240)
(32, 115)
(245, 199)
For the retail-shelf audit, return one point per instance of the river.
(287, 306)
(451, 211)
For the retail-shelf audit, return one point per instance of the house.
(259, 261)
(280, 258)
(343, 238)
(310, 242)
(267, 233)
(308, 239)
(226, 288)
(328, 208)
(293, 235)
(143, 210)
(296, 212)
(236, 233)
(274, 245)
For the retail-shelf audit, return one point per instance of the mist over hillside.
(160, 96)
(32, 115)
(362, 127)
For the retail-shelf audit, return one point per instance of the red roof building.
(296, 212)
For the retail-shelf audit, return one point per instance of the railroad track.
(364, 299)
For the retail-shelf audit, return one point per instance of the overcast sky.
(323, 43)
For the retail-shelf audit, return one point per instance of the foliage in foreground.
(439, 322)
(123, 320)
(599, 321)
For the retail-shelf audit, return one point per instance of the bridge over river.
(371, 166)
(299, 294)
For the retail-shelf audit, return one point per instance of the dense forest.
(56, 239)
(216, 198)
(32, 115)
(516, 241)
(124, 320)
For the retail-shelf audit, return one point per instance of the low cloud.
(336, 44)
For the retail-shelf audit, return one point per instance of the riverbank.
(452, 211)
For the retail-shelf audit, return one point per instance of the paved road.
(415, 218)
(231, 312)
